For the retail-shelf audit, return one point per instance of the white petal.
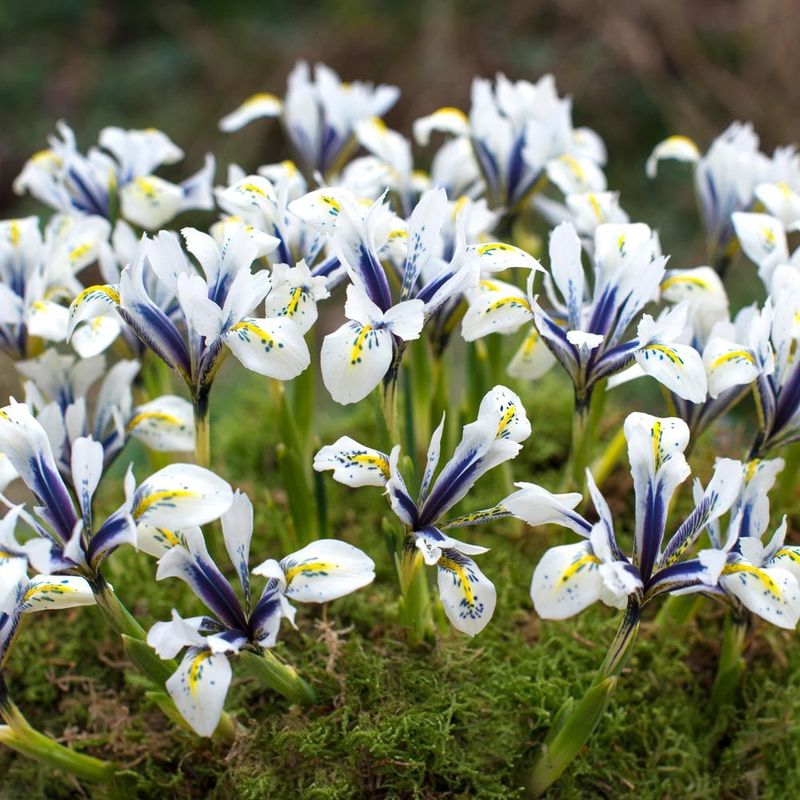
(772, 594)
(352, 463)
(48, 320)
(272, 347)
(763, 239)
(165, 424)
(532, 359)
(87, 468)
(448, 120)
(354, 360)
(94, 301)
(326, 569)
(150, 202)
(679, 367)
(406, 319)
(503, 311)
(49, 592)
(95, 336)
(198, 688)
(499, 256)
(181, 495)
(566, 581)
(506, 412)
(237, 532)
(467, 595)
(679, 148)
(169, 638)
(255, 107)
(537, 506)
(728, 364)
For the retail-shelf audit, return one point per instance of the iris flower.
(762, 578)
(322, 571)
(115, 178)
(726, 345)
(67, 538)
(369, 347)
(211, 315)
(58, 390)
(467, 595)
(37, 273)
(521, 135)
(571, 577)
(731, 177)
(319, 114)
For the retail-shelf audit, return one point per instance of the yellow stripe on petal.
(790, 553)
(759, 574)
(196, 671)
(358, 345)
(92, 292)
(461, 574)
(294, 301)
(41, 591)
(506, 419)
(450, 111)
(491, 247)
(147, 502)
(734, 355)
(691, 280)
(334, 206)
(160, 416)
(245, 329)
(504, 302)
(576, 566)
(261, 97)
(311, 567)
(369, 460)
(668, 352)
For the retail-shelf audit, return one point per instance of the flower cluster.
(350, 263)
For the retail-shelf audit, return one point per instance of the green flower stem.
(622, 646)
(416, 612)
(731, 663)
(19, 735)
(278, 676)
(389, 394)
(588, 412)
(575, 721)
(202, 430)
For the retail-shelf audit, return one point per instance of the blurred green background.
(637, 70)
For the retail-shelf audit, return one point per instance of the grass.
(459, 718)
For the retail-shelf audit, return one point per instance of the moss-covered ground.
(460, 718)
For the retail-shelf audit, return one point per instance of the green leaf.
(575, 729)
